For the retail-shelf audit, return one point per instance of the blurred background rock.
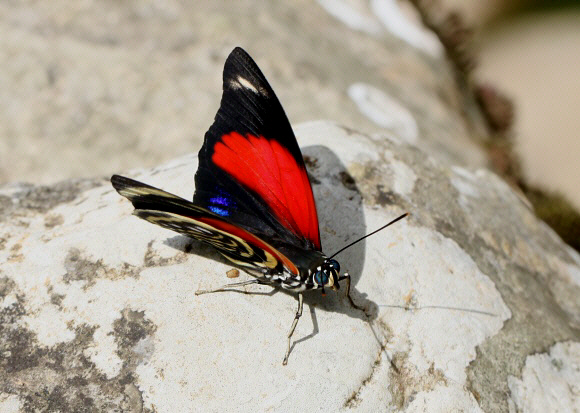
(530, 51)
(93, 87)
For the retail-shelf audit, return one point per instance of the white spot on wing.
(247, 84)
(243, 83)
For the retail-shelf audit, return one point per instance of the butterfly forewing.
(253, 201)
(250, 166)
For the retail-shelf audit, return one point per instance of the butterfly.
(253, 201)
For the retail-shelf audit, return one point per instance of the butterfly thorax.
(316, 271)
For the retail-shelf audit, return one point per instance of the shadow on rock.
(341, 220)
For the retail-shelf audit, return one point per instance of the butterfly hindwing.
(234, 248)
(180, 215)
(250, 169)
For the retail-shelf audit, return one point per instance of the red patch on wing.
(250, 238)
(270, 170)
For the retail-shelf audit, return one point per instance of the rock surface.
(90, 87)
(464, 301)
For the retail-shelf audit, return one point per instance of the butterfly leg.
(346, 277)
(296, 318)
(227, 287)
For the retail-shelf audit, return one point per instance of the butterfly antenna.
(368, 235)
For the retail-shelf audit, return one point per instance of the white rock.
(550, 382)
(100, 306)
(9, 403)
(390, 14)
(352, 15)
(384, 111)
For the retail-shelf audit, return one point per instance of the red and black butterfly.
(253, 201)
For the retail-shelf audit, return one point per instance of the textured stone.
(87, 88)
(99, 312)
(550, 382)
(464, 301)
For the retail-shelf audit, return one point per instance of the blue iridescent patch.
(219, 211)
(219, 201)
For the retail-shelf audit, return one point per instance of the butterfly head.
(326, 275)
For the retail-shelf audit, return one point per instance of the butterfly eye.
(321, 278)
(334, 265)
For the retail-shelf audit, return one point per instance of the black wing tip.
(239, 51)
(241, 56)
(238, 57)
(118, 182)
(240, 63)
(122, 182)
